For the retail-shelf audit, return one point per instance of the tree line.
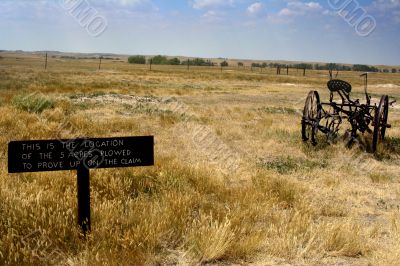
(163, 60)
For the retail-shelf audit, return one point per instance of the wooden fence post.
(45, 64)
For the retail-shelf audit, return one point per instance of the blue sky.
(247, 29)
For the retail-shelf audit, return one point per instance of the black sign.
(59, 155)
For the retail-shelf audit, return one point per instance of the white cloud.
(212, 16)
(211, 4)
(386, 4)
(386, 9)
(313, 5)
(295, 9)
(255, 8)
(129, 2)
(143, 5)
(327, 12)
(301, 8)
(286, 12)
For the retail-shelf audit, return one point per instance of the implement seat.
(341, 87)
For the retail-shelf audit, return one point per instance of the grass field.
(233, 182)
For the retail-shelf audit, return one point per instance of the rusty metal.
(327, 117)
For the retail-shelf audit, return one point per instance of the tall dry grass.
(289, 202)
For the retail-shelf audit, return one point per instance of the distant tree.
(201, 62)
(69, 57)
(198, 62)
(137, 59)
(240, 64)
(174, 61)
(332, 66)
(302, 66)
(209, 63)
(394, 70)
(264, 65)
(255, 65)
(386, 70)
(160, 60)
(346, 68)
(365, 68)
(224, 64)
(274, 65)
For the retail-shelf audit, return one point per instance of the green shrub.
(174, 61)
(137, 59)
(33, 103)
(160, 60)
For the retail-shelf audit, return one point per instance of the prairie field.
(233, 183)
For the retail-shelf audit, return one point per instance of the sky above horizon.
(241, 29)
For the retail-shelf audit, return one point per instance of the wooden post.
(151, 62)
(188, 64)
(304, 72)
(83, 183)
(45, 64)
(100, 62)
(287, 70)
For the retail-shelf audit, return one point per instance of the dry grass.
(288, 201)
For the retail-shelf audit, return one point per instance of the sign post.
(83, 183)
(80, 155)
